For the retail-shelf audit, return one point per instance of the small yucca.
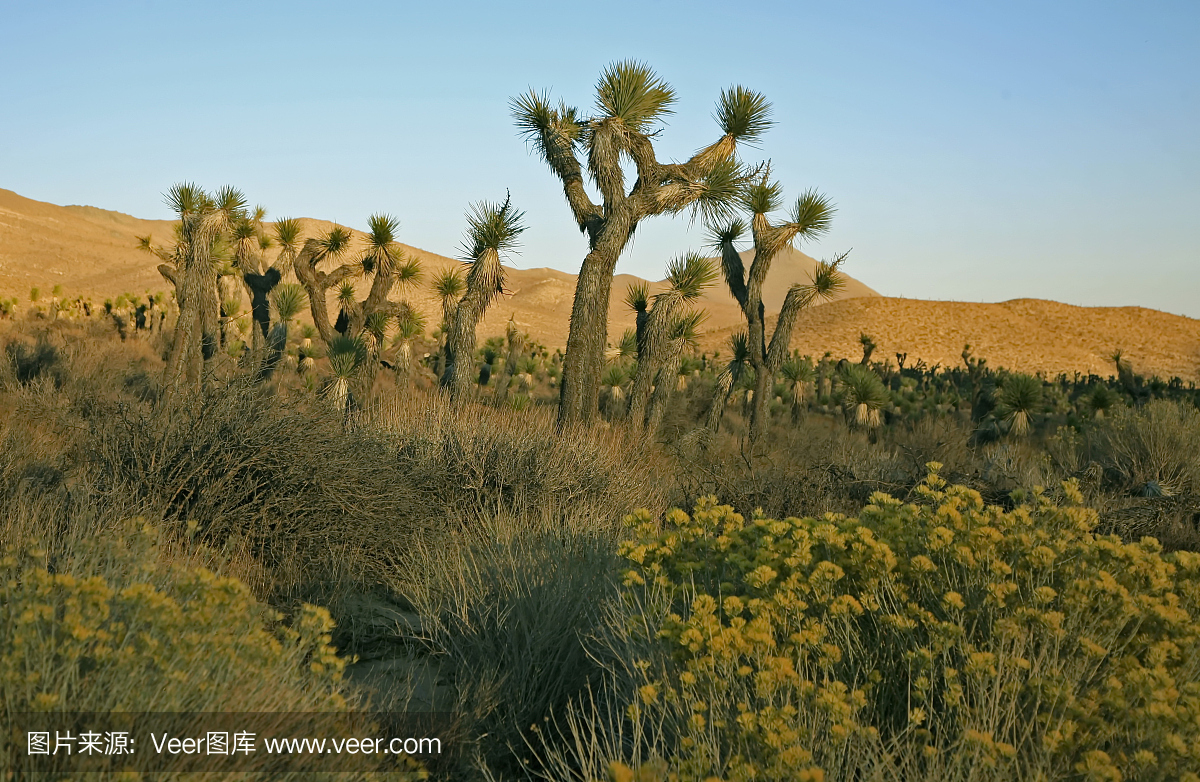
(863, 396)
(1018, 402)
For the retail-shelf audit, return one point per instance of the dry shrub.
(473, 463)
(505, 610)
(1150, 450)
(316, 504)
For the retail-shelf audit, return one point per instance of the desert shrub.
(473, 463)
(315, 503)
(504, 614)
(109, 630)
(942, 639)
(1153, 449)
(30, 362)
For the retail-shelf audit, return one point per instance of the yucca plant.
(347, 355)
(799, 376)
(1101, 400)
(449, 284)
(637, 298)
(631, 101)
(1018, 403)
(863, 396)
(493, 230)
(410, 326)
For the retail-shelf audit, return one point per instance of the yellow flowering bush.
(135, 638)
(935, 638)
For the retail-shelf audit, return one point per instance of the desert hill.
(1028, 335)
(92, 253)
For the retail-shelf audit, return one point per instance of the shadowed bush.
(313, 502)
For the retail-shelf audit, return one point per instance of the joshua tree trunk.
(584, 361)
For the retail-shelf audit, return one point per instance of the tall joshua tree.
(810, 218)
(630, 102)
(492, 229)
(688, 276)
(202, 238)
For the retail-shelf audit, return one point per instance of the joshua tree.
(202, 235)
(868, 346)
(728, 379)
(681, 334)
(516, 347)
(260, 282)
(492, 229)
(810, 218)
(449, 285)
(688, 276)
(630, 101)
(382, 259)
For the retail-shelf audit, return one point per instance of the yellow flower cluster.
(180, 641)
(936, 632)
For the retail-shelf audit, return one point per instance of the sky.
(975, 151)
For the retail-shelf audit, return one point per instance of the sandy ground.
(92, 253)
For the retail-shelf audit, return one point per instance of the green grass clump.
(939, 639)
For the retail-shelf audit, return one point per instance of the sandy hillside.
(92, 253)
(1029, 335)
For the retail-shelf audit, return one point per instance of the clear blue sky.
(976, 152)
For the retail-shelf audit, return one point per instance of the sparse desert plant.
(1153, 449)
(630, 101)
(506, 610)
